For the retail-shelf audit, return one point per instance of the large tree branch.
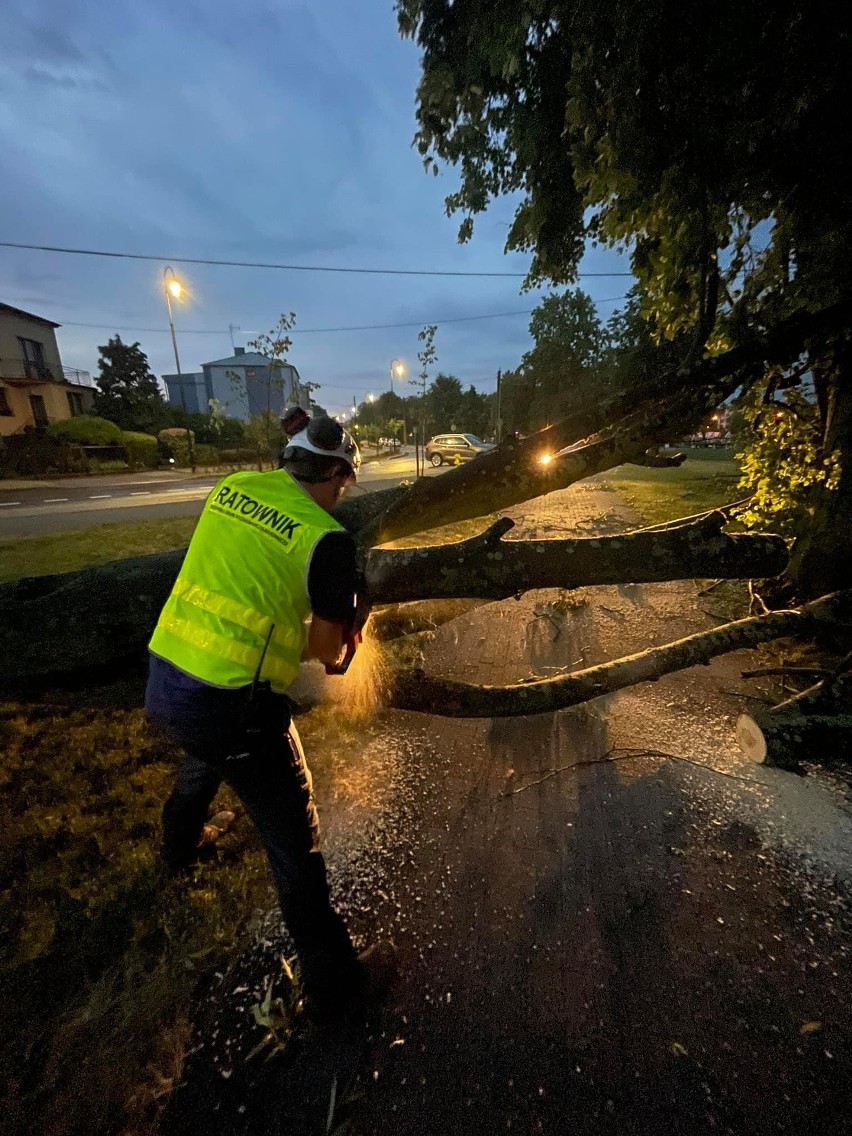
(488, 567)
(100, 615)
(674, 404)
(413, 689)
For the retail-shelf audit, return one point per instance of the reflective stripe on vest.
(280, 671)
(234, 612)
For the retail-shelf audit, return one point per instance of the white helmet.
(328, 439)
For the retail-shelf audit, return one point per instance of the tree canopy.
(128, 393)
(677, 130)
(708, 143)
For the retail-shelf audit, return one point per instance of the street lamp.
(174, 290)
(397, 368)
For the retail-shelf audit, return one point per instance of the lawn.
(46, 554)
(706, 479)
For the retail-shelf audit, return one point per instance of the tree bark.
(56, 624)
(822, 556)
(488, 567)
(413, 689)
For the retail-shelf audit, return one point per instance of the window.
(34, 365)
(5, 408)
(38, 408)
(75, 403)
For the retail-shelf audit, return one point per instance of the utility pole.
(173, 287)
(499, 430)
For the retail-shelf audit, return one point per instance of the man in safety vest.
(268, 580)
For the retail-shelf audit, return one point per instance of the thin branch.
(614, 755)
(414, 689)
(760, 672)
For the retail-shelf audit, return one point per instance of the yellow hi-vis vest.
(243, 586)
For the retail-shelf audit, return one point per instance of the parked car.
(447, 447)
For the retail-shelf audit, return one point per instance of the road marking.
(139, 492)
(6, 504)
(98, 496)
(53, 500)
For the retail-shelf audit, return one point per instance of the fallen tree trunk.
(413, 689)
(488, 567)
(56, 624)
(512, 473)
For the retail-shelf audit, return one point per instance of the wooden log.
(489, 567)
(414, 689)
(785, 740)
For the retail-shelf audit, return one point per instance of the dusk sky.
(273, 132)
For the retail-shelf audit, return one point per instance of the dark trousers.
(256, 750)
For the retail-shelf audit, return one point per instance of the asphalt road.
(73, 503)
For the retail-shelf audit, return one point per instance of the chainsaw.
(353, 637)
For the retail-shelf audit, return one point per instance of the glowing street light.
(545, 459)
(371, 398)
(173, 288)
(397, 369)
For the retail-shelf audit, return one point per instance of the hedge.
(86, 430)
(141, 448)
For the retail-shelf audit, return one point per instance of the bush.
(32, 454)
(141, 449)
(206, 454)
(86, 430)
(174, 443)
(237, 457)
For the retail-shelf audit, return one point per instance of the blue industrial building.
(256, 388)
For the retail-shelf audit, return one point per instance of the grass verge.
(660, 495)
(101, 953)
(46, 554)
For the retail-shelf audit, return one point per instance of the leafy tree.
(565, 365)
(213, 429)
(128, 393)
(393, 428)
(387, 405)
(476, 412)
(784, 468)
(370, 433)
(263, 433)
(706, 142)
(444, 401)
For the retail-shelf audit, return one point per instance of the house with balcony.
(244, 385)
(35, 389)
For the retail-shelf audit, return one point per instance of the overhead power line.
(284, 267)
(320, 330)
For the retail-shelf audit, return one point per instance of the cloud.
(68, 80)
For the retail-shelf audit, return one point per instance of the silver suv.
(449, 447)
